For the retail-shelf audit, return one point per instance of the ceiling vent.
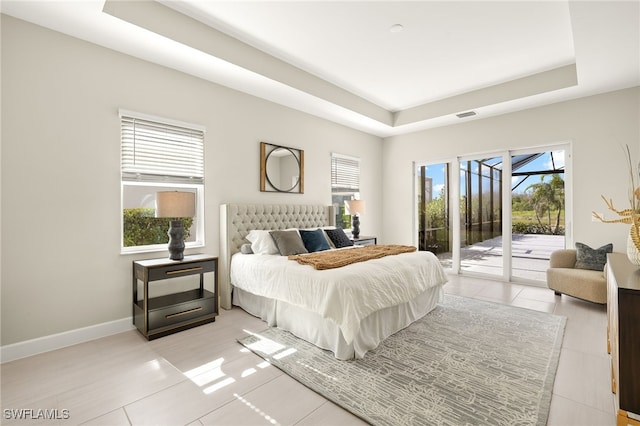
(466, 114)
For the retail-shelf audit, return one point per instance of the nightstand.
(363, 240)
(158, 316)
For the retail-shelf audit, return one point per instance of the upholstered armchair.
(564, 278)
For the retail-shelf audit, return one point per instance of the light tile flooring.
(204, 377)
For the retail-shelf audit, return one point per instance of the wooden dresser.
(623, 337)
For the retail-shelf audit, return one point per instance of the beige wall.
(597, 128)
(61, 262)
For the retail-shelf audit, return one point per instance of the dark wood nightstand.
(158, 316)
(363, 240)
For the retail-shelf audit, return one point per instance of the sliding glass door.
(537, 211)
(434, 225)
(481, 212)
(498, 215)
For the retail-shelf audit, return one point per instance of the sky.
(436, 171)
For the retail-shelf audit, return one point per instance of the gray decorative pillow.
(288, 242)
(246, 249)
(589, 258)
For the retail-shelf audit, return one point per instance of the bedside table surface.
(364, 240)
(364, 237)
(168, 262)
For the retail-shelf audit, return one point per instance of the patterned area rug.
(468, 362)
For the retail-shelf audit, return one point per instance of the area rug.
(468, 362)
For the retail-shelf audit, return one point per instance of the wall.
(597, 128)
(61, 262)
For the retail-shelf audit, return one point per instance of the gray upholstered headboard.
(236, 220)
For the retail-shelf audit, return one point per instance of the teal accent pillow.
(314, 240)
(590, 258)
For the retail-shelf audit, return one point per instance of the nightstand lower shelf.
(176, 312)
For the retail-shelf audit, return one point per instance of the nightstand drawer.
(172, 310)
(180, 269)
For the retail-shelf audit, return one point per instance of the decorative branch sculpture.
(625, 216)
(629, 216)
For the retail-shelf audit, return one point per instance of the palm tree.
(557, 183)
(547, 196)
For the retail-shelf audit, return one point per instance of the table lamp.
(356, 208)
(176, 205)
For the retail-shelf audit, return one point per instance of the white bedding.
(345, 295)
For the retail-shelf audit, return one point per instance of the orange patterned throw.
(338, 258)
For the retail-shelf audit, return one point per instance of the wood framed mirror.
(281, 169)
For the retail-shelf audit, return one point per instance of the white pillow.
(262, 242)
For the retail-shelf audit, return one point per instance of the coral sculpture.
(630, 216)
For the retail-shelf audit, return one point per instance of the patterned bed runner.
(338, 258)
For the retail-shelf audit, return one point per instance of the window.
(345, 185)
(158, 155)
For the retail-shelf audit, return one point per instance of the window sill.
(156, 249)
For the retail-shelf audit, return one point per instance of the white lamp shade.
(356, 207)
(175, 204)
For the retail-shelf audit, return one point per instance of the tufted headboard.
(236, 220)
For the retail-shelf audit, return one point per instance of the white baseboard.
(56, 341)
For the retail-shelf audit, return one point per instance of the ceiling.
(345, 60)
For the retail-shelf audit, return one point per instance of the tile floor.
(204, 377)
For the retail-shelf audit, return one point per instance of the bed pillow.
(590, 258)
(262, 242)
(288, 242)
(326, 237)
(314, 240)
(324, 229)
(339, 238)
(246, 249)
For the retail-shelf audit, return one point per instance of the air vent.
(466, 114)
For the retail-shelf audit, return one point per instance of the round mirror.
(283, 169)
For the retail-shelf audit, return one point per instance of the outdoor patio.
(530, 256)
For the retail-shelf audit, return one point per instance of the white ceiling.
(444, 49)
(340, 60)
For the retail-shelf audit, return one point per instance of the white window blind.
(155, 151)
(345, 173)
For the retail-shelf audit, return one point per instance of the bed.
(348, 310)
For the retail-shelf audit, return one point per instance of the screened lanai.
(537, 212)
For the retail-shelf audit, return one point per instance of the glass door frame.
(506, 215)
(454, 203)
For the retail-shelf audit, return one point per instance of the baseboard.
(60, 340)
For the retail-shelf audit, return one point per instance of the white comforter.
(345, 295)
